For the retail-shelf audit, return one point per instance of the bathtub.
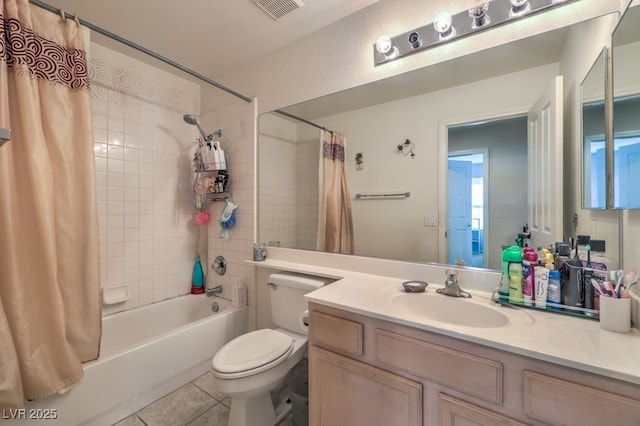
(146, 353)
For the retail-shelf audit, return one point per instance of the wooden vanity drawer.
(338, 334)
(454, 412)
(474, 376)
(548, 400)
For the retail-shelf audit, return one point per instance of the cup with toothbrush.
(615, 305)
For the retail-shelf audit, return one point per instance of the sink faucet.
(212, 291)
(451, 286)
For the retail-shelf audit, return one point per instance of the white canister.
(615, 314)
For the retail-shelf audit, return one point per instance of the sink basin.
(478, 312)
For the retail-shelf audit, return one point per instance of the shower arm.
(217, 133)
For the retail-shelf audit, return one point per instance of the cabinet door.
(455, 412)
(345, 392)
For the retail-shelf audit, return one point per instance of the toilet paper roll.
(303, 321)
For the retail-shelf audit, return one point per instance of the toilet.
(250, 366)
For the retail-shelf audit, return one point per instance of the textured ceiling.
(211, 37)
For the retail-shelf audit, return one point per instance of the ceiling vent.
(278, 8)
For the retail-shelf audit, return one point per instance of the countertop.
(565, 340)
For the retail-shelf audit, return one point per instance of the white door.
(544, 153)
(459, 211)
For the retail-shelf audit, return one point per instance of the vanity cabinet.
(366, 371)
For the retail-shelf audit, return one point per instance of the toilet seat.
(252, 353)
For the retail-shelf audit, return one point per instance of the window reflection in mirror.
(594, 161)
(626, 110)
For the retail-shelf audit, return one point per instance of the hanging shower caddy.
(211, 181)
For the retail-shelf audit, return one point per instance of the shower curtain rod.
(139, 48)
(279, 111)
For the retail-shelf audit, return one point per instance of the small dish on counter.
(414, 286)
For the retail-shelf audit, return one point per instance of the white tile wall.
(288, 183)
(238, 140)
(147, 232)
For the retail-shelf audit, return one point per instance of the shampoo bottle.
(197, 278)
(528, 275)
(509, 255)
(554, 295)
(515, 278)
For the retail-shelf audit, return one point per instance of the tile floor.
(195, 404)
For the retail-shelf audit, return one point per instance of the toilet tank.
(287, 298)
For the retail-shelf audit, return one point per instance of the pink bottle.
(529, 261)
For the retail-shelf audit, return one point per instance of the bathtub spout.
(213, 290)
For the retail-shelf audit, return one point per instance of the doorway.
(496, 200)
(467, 195)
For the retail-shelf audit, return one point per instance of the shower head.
(191, 119)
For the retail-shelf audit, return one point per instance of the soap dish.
(414, 286)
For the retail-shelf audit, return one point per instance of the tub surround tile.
(177, 408)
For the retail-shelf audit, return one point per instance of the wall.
(395, 228)
(143, 149)
(239, 131)
(288, 190)
(340, 56)
(147, 236)
(583, 47)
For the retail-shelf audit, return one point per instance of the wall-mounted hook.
(359, 161)
(406, 148)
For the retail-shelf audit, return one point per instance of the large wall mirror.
(626, 110)
(420, 107)
(594, 147)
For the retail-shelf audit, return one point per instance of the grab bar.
(384, 195)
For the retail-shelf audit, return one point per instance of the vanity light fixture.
(447, 27)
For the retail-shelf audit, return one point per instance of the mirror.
(418, 106)
(594, 159)
(626, 110)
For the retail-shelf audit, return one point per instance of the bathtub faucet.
(213, 290)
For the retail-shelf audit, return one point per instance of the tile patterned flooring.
(195, 404)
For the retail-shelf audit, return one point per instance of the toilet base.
(257, 411)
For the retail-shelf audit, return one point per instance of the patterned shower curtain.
(335, 224)
(50, 319)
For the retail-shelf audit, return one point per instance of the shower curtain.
(50, 319)
(335, 224)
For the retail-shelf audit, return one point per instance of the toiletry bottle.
(530, 260)
(554, 295)
(197, 278)
(515, 279)
(509, 255)
(541, 286)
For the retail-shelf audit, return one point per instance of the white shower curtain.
(335, 223)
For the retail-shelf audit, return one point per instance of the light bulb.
(519, 8)
(442, 25)
(479, 15)
(383, 44)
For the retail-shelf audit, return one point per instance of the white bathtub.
(145, 353)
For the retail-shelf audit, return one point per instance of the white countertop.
(565, 340)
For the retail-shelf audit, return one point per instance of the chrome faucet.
(451, 286)
(212, 291)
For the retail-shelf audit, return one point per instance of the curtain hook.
(62, 15)
(77, 19)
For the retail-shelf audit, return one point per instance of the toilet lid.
(252, 350)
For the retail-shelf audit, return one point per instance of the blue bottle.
(197, 278)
